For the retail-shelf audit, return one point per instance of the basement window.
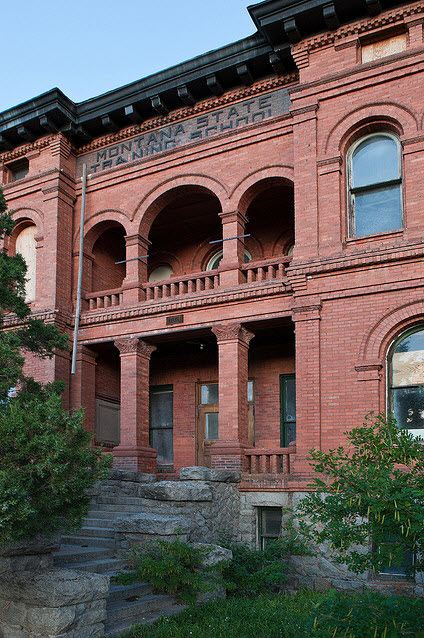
(269, 525)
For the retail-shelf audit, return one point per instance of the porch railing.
(175, 287)
(266, 270)
(104, 298)
(270, 460)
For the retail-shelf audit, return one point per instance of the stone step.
(110, 515)
(148, 603)
(128, 592)
(97, 532)
(88, 541)
(98, 522)
(117, 630)
(111, 508)
(119, 500)
(108, 565)
(76, 554)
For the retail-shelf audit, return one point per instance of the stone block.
(135, 477)
(347, 585)
(39, 544)
(176, 491)
(54, 588)
(197, 473)
(152, 524)
(214, 554)
(50, 620)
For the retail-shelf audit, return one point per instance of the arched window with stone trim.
(26, 246)
(216, 259)
(374, 167)
(406, 380)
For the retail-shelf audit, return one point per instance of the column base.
(229, 455)
(135, 459)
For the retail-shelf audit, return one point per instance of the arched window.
(26, 246)
(216, 259)
(406, 368)
(375, 185)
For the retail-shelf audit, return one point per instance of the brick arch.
(378, 340)
(24, 217)
(98, 223)
(164, 257)
(156, 200)
(282, 243)
(246, 190)
(401, 118)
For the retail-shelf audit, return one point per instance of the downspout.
(80, 263)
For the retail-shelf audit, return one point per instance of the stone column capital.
(233, 216)
(135, 345)
(136, 239)
(232, 332)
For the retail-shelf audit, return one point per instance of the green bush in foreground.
(253, 571)
(46, 463)
(173, 567)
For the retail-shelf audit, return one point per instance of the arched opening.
(26, 246)
(189, 219)
(108, 270)
(270, 218)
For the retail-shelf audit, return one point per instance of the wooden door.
(207, 421)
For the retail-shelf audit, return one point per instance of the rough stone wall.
(39, 601)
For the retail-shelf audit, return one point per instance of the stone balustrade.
(266, 270)
(104, 299)
(186, 285)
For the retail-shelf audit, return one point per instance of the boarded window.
(108, 422)
(383, 48)
(26, 246)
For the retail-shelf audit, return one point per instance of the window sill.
(375, 237)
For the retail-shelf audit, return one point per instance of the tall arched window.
(406, 368)
(375, 185)
(26, 246)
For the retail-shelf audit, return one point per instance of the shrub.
(253, 571)
(369, 615)
(46, 462)
(173, 567)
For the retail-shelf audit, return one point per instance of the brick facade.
(328, 310)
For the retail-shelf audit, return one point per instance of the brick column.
(134, 451)
(233, 350)
(308, 382)
(233, 225)
(136, 269)
(83, 386)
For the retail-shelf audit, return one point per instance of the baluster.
(156, 292)
(274, 465)
(199, 284)
(263, 464)
(92, 303)
(165, 290)
(281, 270)
(121, 297)
(181, 287)
(149, 293)
(100, 302)
(255, 464)
(285, 463)
(271, 272)
(208, 283)
(261, 273)
(107, 301)
(191, 286)
(114, 300)
(250, 275)
(173, 290)
(216, 281)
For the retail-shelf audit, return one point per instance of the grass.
(281, 616)
(261, 617)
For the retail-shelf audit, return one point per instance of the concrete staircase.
(93, 549)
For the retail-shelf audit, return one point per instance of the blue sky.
(89, 47)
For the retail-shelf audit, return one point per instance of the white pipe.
(80, 263)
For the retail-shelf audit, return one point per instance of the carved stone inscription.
(156, 141)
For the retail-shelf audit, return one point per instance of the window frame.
(352, 191)
(283, 419)
(261, 511)
(389, 367)
(169, 465)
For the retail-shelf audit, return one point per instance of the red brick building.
(252, 278)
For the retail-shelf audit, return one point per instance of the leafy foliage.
(340, 615)
(253, 571)
(371, 489)
(174, 567)
(31, 334)
(45, 464)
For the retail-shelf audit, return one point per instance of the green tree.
(20, 331)
(368, 500)
(46, 457)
